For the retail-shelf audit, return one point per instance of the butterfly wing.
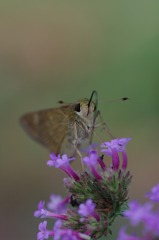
(49, 127)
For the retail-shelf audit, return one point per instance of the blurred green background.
(62, 50)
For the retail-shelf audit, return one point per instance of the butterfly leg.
(103, 124)
(76, 143)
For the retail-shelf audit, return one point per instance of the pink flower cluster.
(81, 219)
(145, 215)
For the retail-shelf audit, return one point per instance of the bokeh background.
(62, 50)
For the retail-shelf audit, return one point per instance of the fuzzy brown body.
(62, 129)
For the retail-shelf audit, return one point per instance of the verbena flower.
(113, 147)
(137, 212)
(145, 215)
(88, 209)
(57, 204)
(44, 213)
(92, 162)
(124, 236)
(43, 232)
(64, 164)
(154, 193)
(96, 196)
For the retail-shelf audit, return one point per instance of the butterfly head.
(85, 108)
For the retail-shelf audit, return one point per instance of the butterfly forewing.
(49, 127)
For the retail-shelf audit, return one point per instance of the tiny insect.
(65, 128)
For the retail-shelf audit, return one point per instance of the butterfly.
(65, 128)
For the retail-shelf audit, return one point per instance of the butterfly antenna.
(90, 100)
(60, 102)
(117, 100)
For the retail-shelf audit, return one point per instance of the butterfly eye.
(77, 107)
